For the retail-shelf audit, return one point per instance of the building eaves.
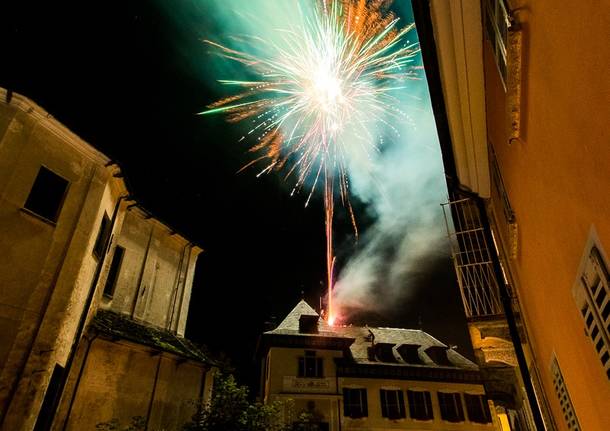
(118, 326)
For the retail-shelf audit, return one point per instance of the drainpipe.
(186, 272)
(141, 276)
(77, 382)
(154, 390)
(87, 307)
(511, 320)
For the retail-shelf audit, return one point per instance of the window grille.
(561, 391)
(497, 24)
(472, 259)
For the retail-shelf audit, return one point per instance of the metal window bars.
(472, 259)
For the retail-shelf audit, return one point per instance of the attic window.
(438, 354)
(308, 324)
(409, 353)
(383, 352)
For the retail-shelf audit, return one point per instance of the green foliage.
(138, 423)
(230, 410)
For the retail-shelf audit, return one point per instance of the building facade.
(94, 292)
(359, 378)
(522, 111)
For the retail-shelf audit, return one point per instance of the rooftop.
(378, 346)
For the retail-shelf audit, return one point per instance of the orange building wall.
(558, 181)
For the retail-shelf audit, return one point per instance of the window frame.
(496, 12)
(563, 396)
(27, 205)
(113, 272)
(103, 235)
(355, 403)
(454, 400)
(481, 402)
(420, 405)
(398, 402)
(304, 365)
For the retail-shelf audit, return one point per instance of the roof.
(364, 338)
(116, 325)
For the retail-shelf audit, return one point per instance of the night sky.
(128, 77)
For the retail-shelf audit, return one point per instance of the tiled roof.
(116, 325)
(363, 341)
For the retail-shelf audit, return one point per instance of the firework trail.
(320, 91)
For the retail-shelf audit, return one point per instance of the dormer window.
(383, 352)
(311, 365)
(308, 324)
(410, 353)
(438, 354)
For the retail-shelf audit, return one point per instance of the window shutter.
(460, 408)
(301, 367)
(401, 405)
(346, 402)
(428, 402)
(365, 404)
(319, 367)
(384, 403)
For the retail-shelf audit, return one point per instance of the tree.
(230, 410)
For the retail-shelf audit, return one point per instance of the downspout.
(47, 300)
(511, 320)
(87, 307)
(141, 275)
(77, 382)
(170, 312)
(154, 391)
(186, 272)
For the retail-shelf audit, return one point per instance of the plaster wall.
(557, 177)
(46, 268)
(121, 380)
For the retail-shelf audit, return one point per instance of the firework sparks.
(323, 89)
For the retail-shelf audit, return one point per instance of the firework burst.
(322, 91)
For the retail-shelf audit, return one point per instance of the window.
(477, 408)
(420, 405)
(355, 403)
(384, 353)
(564, 398)
(451, 407)
(592, 294)
(497, 23)
(310, 365)
(392, 403)
(410, 353)
(113, 273)
(47, 195)
(102, 236)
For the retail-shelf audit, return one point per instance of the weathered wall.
(121, 380)
(557, 178)
(156, 276)
(46, 269)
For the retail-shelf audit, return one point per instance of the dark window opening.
(113, 273)
(383, 352)
(451, 407)
(308, 324)
(47, 194)
(392, 404)
(420, 405)
(310, 365)
(438, 354)
(102, 237)
(477, 408)
(355, 403)
(410, 353)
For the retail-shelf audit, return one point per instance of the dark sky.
(120, 74)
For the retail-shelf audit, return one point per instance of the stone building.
(522, 110)
(94, 291)
(362, 378)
